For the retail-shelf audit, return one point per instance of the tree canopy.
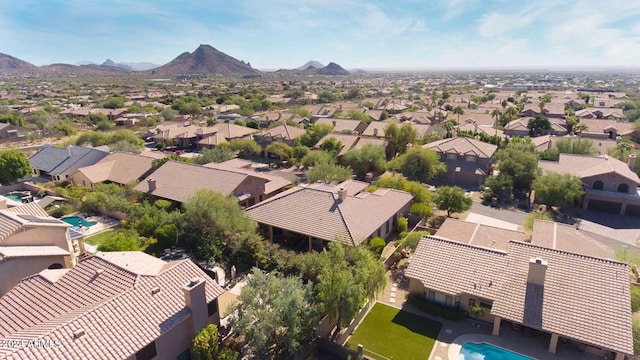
(453, 199)
(347, 278)
(13, 166)
(328, 173)
(418, 163)
(276, 314)
(538, 124)
(369, 158)
(398, 137)
(558, 189)
(245, 147)
(121, 240)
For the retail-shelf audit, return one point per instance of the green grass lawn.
(391, 332)
(98, 238)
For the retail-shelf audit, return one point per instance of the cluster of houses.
(131, 305)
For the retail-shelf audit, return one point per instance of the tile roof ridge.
(344, 221)
(529, 245)
(105, 261)
(277, 197)
(465, 245)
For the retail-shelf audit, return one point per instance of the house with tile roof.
(283, 133)
(478, 234)
(177, 181)
(118, 168)
(31, 241)
(58, 164)
(571, 298)
(344, 125)
(468, 160)
(310, 216)
(520, 127)
(610, 185)
(350, 142)
(119, 305)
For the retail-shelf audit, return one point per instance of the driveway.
(513, 216)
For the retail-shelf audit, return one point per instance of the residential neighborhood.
(394, 204)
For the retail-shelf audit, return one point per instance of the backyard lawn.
(97, 239)
(391, 332)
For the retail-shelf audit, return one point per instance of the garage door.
(633, 210)
(606, 206)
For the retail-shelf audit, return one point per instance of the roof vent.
(342, 194)
(99, 271)
(78, 333)
(193, 282)
(155, 290)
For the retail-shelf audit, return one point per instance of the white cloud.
(501, 24)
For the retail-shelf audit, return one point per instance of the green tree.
(398, 138)
(328, 173)
(558, 189)
(357, 114)
(121, 240)
(216, 155)
(245, 147)
(281, 150)
(13, 166)
(168, 114)
(458, 110)
(368, 158)
(205, 344)
(575, 146)
(399, 182)
(496, 114)
(276, 315)
(315, 157)
(518, 165)
(173, 157)
(300, 111)
(313, 134)
(539, 124)
(453, 199)
(114, 102)
(332, 145)
(217, 213)
(347, 278)
(418, 163)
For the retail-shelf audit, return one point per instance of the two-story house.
(468, 160)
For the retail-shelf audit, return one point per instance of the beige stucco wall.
(79, 179)
(13, 270)
(611, 182)
(43, 235)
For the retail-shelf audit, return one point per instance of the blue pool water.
(484, 351)
(76, 221)
(14, 196)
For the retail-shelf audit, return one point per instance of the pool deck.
(102, 223)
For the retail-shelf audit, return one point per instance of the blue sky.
(355, 34)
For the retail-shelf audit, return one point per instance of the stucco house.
(313, 215)
(31, 241)
(610, 185)
(177, 181)
(571, 298)
(118, 168)
(468, 160)
(58, 164)
(118, 305)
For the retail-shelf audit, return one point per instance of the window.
(472, 302)
(452, 156)
(212, 307)
(55, 266)
(598, 185)
(485, 305)
(185, 355)
(623, 188)
(148, 352)
(470, 158)
(456, 302)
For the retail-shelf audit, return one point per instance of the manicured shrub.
(376, 245)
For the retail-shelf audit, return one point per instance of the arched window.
(56, 266)
(623, 188)
(598, 185)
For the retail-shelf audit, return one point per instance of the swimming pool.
(77, 220)
(15, 196)
(484, 351)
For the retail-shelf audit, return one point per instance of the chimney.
(537, 271)
(475, 126)
(334, 123)
(342, 194)
(632, 161)
(195, 300)
(3, 203)
(152, 184)
(375, 131)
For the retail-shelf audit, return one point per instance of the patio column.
(553, 344)
(619, 356)
(310, 243)
(623, 208)
(585, 204)
(271, 233)
(496, 326)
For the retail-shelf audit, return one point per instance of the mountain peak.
(13, 65)
(205, 60)
(311, 64)
(333, 69)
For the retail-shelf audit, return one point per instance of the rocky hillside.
(205, 60)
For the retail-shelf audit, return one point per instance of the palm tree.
(579, 128)
(511, 113)
(496, 113)
(458, 110)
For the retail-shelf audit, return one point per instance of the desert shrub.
(376, 245)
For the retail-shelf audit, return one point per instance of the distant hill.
(314, 64)
(315, 68)
(333, 69)
(90, 69)
(130, 66)
(205, 60)
(11, 65)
